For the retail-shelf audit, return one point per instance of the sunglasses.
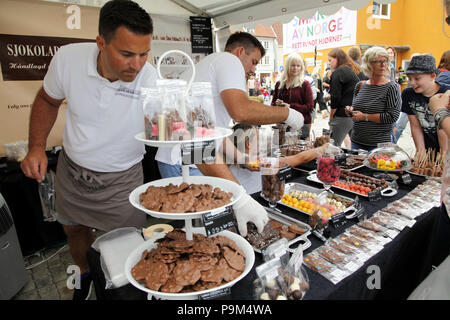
(447, 20)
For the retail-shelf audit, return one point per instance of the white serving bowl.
(136, 255)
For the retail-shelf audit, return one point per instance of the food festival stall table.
(403, 263)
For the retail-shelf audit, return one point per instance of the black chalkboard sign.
(201, 35)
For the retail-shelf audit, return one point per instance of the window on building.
(266, 44)
(381, 11)
(266, 60)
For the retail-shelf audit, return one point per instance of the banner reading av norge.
(325, 32)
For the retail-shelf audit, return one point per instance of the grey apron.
(97, 199)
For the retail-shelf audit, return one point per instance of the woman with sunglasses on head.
(376, 102)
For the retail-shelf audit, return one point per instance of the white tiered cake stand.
(225, 185)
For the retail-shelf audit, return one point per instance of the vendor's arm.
(219, 170)
(244, 110)
(305, 156)
(441, 101)
(442, 137)
(417, 133)
(43, 116)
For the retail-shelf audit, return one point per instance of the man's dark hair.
(246, 40)
(117, 13)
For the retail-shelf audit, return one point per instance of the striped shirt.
(384, 99)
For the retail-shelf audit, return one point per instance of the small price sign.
(406, 178)
(215, 294)
(374, 195)
(218, 221)
(285, 173)
(338, 219)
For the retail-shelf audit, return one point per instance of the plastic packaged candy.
(172, 120)
(320, 265)
(201, 115)
(151, 98)
(388, 157)
(272, 179)
(281, 277)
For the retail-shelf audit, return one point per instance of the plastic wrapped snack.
(342, 247)
(361, 233)
(151, 98)
(403, 209)
(332, 255)
(388, 221)
(275, 282)
(201, 116)
(330, 271)
(173, 113)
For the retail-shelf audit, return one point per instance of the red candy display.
(327, 170)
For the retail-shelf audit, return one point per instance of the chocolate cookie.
(157, 275)
(185, 273)
(234, 260)
(296, 229)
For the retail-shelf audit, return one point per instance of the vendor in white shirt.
(227, 72)
(246, 137)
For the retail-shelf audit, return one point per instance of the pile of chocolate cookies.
(184, 198)
(178, 265)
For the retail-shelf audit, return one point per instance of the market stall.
(397, 263)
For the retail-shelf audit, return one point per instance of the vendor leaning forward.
(227, 72)
(100, 163)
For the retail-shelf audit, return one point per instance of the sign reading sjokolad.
(28, 57)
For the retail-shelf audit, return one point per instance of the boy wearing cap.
(422, 74)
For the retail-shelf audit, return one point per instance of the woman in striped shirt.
(376, 102)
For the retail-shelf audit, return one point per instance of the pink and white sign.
(325, 32)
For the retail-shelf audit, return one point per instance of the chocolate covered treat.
(340, 247)
(263, 239)
(316, 263)
(320, 141)
(330, 254)
(179, 265)
(296, 229)
(184, 198)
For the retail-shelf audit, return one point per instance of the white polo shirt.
(224, 71)
(102, 117)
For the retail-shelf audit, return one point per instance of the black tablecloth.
(403, 263)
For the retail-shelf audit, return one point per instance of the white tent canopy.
(239, 13)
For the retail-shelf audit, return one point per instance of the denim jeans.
(400, 125)
(169, 170)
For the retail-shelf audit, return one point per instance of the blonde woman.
(294, 91)
(376, 102)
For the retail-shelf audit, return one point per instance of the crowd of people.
(362, 96)
(101, 161)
